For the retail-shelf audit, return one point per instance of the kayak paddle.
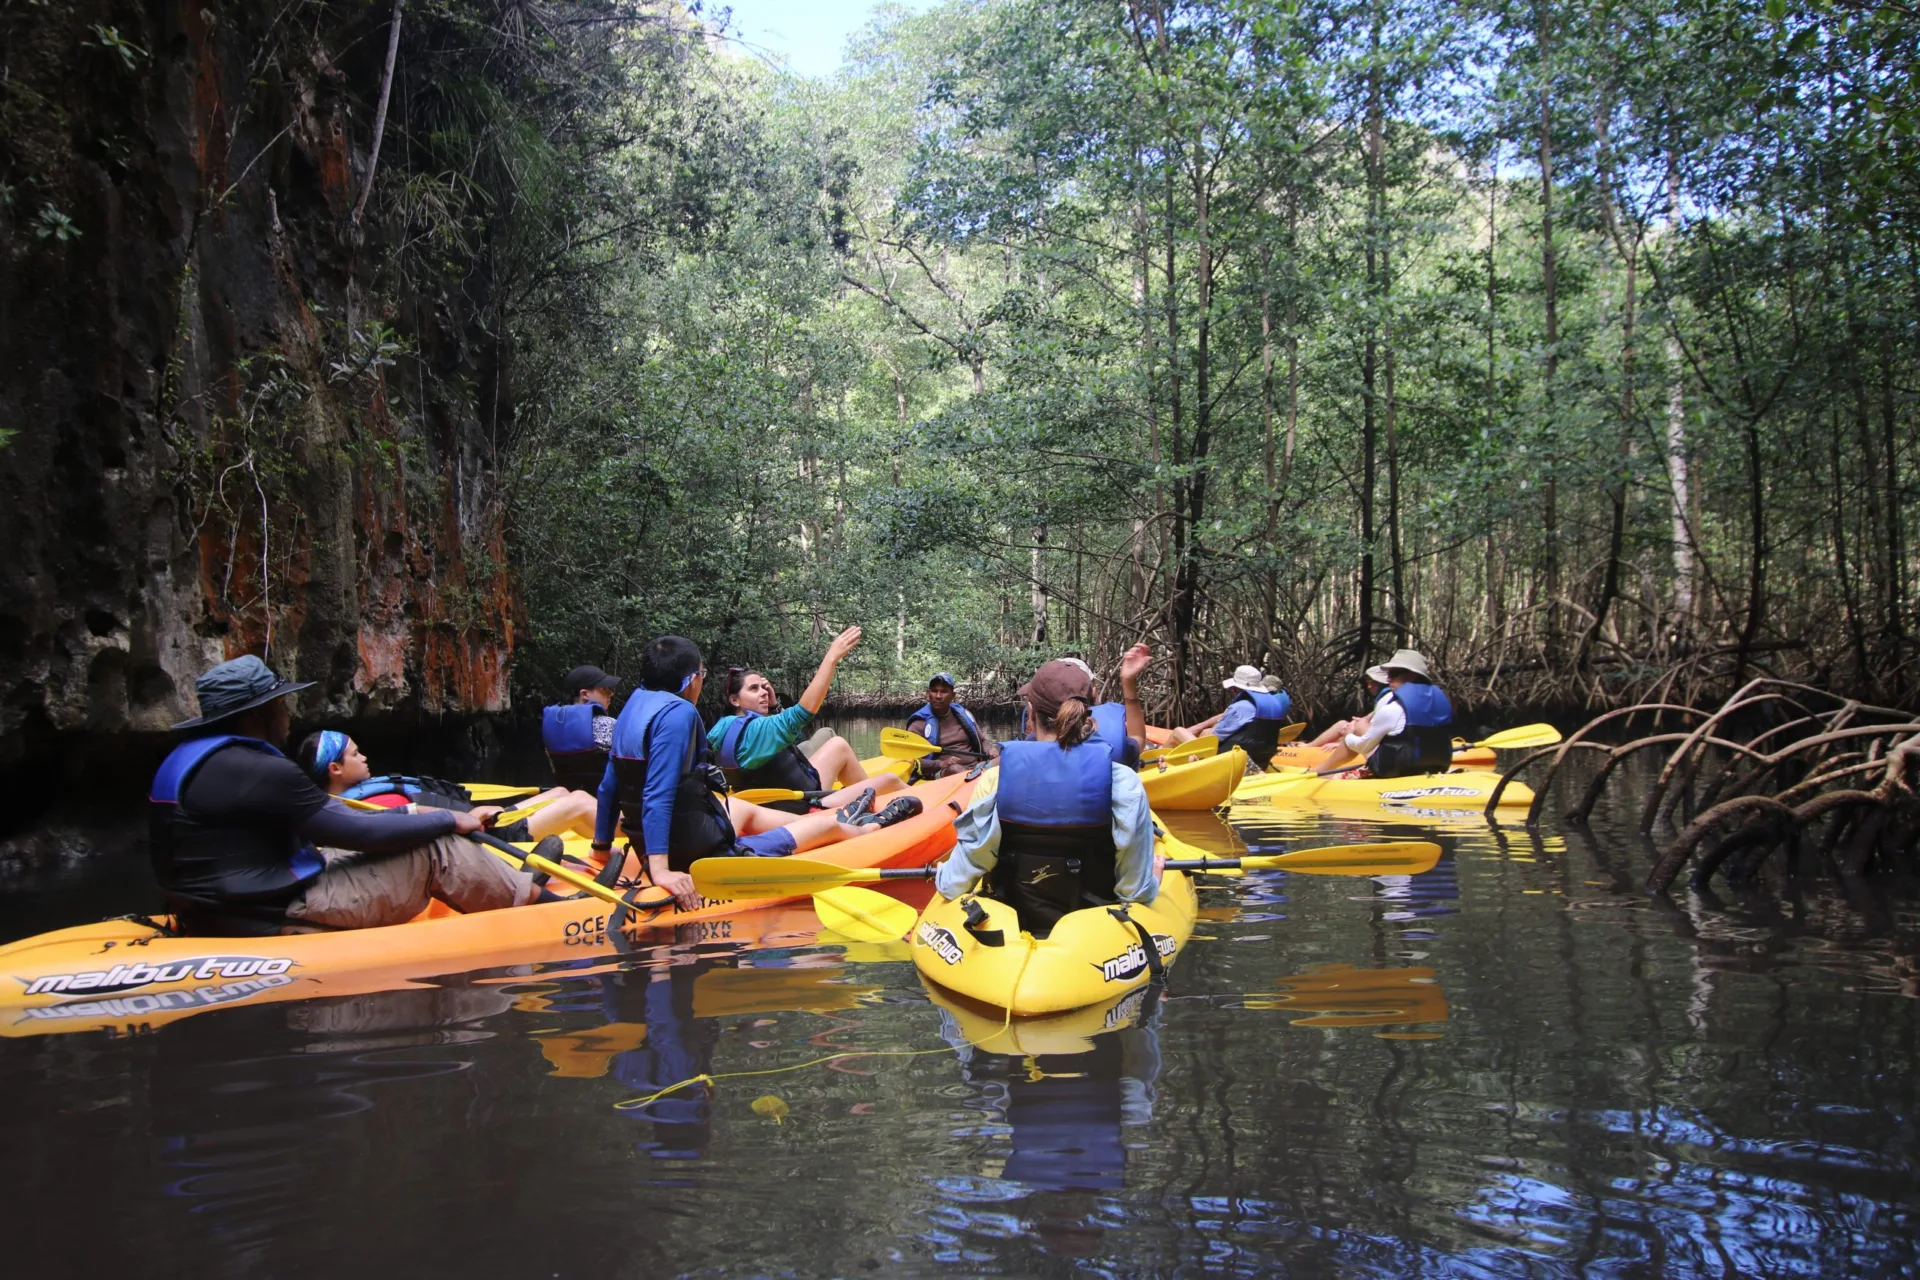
(1527, 735)
(863, 915)
(1193, 749)
(903, 744)
(534, 862)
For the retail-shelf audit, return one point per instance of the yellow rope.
(710, 1079)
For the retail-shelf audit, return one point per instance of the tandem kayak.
(1298, 755)
(131, 974)
(1091, 957)
(1194, 784)
(1456, 789)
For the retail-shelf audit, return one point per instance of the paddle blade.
(728, 879)
(1527, 735)
(903, 744)
(768, 795)
(1391, 857)
(1198, 749)
(495, 792)
(864, 915)
(1292, 732)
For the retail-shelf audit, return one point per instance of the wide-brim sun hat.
(1379, 675)
(240, 684)
(1408, 660)
(1245, 677)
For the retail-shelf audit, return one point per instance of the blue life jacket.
(254, 869)
(1426, 744)
(924, 723)
(1110, 728)
(438, 794)
(1056, 830)
(789, 768)
(567, 732)
(700, 826)
(1260, 736)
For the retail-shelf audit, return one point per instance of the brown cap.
(1054, 683)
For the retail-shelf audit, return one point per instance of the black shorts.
(513, 832)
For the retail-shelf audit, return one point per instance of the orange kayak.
(130, 976)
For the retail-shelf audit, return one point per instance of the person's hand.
(465, 824)
(843, 644)
(486, 813)
(680, 885)
(1134, 663)
(1159, 864)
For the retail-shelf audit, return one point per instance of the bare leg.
(809, 831)
(1340, 729)
(1179, 734)
(571, 811)
(1336, 756)
(882, 785)
(836, 764)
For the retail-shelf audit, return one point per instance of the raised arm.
(1133, 664)
(815, 694)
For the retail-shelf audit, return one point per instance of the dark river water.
(1513, 1065)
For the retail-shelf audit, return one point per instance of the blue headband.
(333, 744)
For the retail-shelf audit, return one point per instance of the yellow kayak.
(1456, 789)
(1195, 784)
(1297, 755)
(1089, 958)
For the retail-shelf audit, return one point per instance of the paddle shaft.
(534, 862)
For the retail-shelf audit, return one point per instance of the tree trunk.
(1550, 301)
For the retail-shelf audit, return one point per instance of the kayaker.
(1333, 738)
(1412, 726)
(335, 762)
(949, 726)
(757, 746)
(662, 787)
(1252, 720)
(578, 732)
(244, 842)
(1061, 825)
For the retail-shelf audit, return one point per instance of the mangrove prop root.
(1774, 765)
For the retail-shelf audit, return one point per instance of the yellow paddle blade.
(1391, 857)
(768, 795)
(725, 879)
(864, 915)
(903, 744)
(1292, 732)
(495, 792)
(1198, 749)
(1527, 735)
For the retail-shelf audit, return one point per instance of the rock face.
(228, 426)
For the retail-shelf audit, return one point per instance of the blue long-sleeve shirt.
(675, 726)
(976, 847)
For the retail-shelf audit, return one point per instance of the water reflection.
(1512, 1065)
(1340, 995)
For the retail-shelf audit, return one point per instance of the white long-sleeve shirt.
(976, 847)
(1389, 718)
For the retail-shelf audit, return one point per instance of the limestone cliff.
(231, 424)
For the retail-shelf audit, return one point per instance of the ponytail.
(1073, 723)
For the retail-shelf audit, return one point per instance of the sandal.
(900, 810)
(855, 810)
